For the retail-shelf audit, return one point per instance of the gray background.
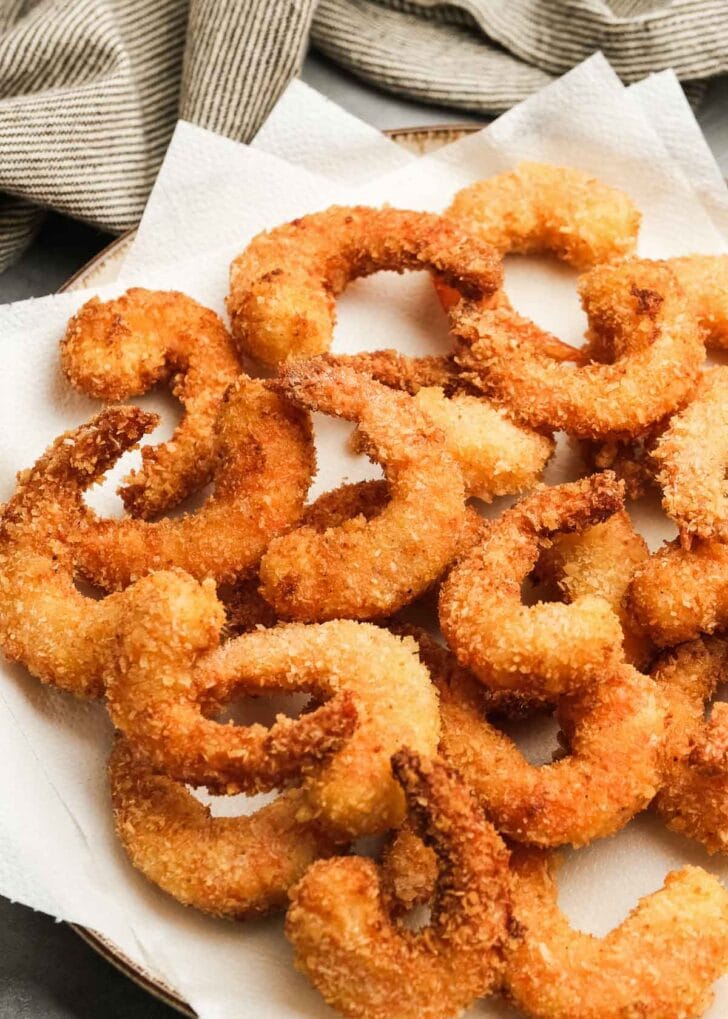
(45, 969)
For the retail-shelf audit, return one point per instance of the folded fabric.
(90, 90)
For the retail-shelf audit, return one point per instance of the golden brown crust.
(60, 635)
(283, 286)
(545, 648)
(691, 457)
(410, 374)
(693, 799)
(496, 455)
(395, 702)
(264, 465)
(704, 278)
(120, 348)
(679, 593)
(613, 732)
(160, 694)
(233, 867)
(636, 309)
(601, 561)
(660, 962)
(546, 209)
(366, 569)
(366, 965)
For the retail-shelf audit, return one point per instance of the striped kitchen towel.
(90, 89)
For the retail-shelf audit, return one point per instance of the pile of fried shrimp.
(262, 592)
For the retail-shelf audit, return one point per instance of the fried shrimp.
(693, 798)
(121, 348)
(353, 793)
(366, 965)
(264, 464)
(366, 499)
(234, 867)
(169, 678)
(704, 279)
(283, 286)
(410, 374)
(692, 455)
(601, 561)
(158, 694)
(547, 648)
(546, 209)
(679, 593)
(365, 569)
(630, 460)
(637, 311)
(613, 732)
(496, 455)
(659, 963)
(58, 634)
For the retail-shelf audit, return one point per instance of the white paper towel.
(203, 171)
(57, 848)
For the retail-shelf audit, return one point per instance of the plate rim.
(153, 984)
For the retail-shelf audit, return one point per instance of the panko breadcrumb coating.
(601, 560)
(410, 374)
(691, 456)
(557, 210)
(496, 455)
(161, 696)
(367, 569)
(613, 732)
(369, 967)
(407, 870)
(367, 499)
(353, 793)
(264, 465)
(283, 287)
(233, 867)
(659, 963)
(120, 348)
(704, 278)
(547, 648)
(60, 635)
(679, 593)
(693, 799)
(630, 460)
(638, 310)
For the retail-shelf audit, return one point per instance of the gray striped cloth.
(90, 89)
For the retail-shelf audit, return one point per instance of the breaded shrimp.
(558, 210)
(638, 310)
(283, 287)
(693, 798)
(396, 704)
(367, 966)
(365, 569)
(601, 561)
(691, 457)
(120, 348)
(234, 867)
(679, 593)
(613, 734)
(264, 465)
(60, 635)
(547, 648)
(160, 694)
(659, 963)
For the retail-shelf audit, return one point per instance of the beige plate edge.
(102, 269)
